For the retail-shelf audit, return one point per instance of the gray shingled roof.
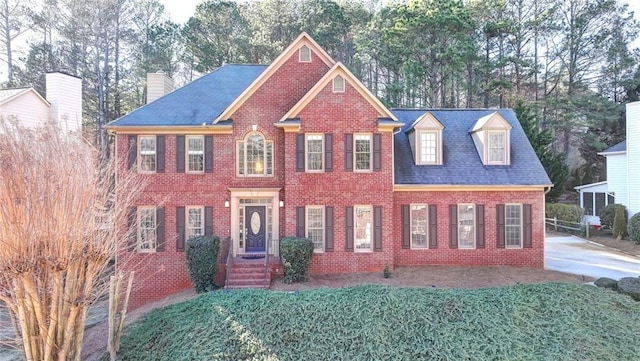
(200, 101)
(461, 162)
(620, 147)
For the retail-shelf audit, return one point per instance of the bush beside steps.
(202, 261)
(296, 257)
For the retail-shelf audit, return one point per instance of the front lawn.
(551, 321)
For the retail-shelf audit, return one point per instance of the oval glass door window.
(255, 222)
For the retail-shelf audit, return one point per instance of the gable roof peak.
(489, 119)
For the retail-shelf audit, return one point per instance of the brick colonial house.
(255, 153)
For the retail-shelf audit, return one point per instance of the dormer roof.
(489, 122)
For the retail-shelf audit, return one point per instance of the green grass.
(524, 322)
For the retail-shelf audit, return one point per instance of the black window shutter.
(132, 220)
(299, 152)
(328, 229)
(348, 152)
(160, 152)
(208, 221)
(348, 215)
(132, 151)
(300, 222)
(180, 154)
(527, 229)
(453, 226)
(180, 229)
(433, 226)
(160, 239)
(377, 228)
(208, 154)
(500, 226)
(406, 226)
(328, 152)
(480, 226)
(377, 152)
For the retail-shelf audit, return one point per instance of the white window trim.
(338, 89)
(139, 229)
(506, 147)
(371, 230)
(300, 58)
(306, 153)
(186, 154)
(186, 220)
(475, 224)
(355, 153)
(426, 225)
(241, 145)
(140, 153)
(324, 225)
(438, 134)
(521, 226)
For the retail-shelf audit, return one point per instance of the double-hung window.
(255, 156)
(195, 153)
(315, 152)
(315, 227)
(147, 153)
(513, 225)
(428, 147)
(363, 228)
(194, 222)
(466, 226)
(147, 238)
(362, 153)
(419, 223)
(497, 147)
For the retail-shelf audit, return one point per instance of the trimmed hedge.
(202, 261)
(633, 228)
(296, 256)
(564, 212)
(608, 214)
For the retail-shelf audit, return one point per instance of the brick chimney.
(158, 84)
(64, 92)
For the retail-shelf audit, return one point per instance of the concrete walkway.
(578, 256)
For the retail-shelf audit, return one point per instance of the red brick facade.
(349, 112)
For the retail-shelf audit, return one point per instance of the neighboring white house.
(623, 169)
(63, 104)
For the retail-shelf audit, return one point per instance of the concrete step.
(247, 275)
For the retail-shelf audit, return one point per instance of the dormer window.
(428, 146)
(338, 84)
(497, 147)
(490, 135)
(425, 138)
(304, 54)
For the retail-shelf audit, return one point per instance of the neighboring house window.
(362, 153)
(195, 154)
(315, 227)
(428, 147)
(315, 152)
(497, 147)
(466, 226)
(147, 239)
(419, 222)
(338, 84)
(194, 222)
(363, 228)
(304, 54)
(513, 225)
(147, 153)
(255, 156)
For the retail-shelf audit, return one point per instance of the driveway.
(578, 256)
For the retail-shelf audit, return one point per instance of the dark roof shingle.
(620, 147)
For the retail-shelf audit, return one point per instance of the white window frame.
(507, 226)
(339, 85)
(142, 213)
(367, 228)
(302, 57)
(267, 162)
(307, 153)
(436, 147)
(188, 152)
(142, 154)
(469, 228)
(490, 147)
(308, 228)
(369, 137)
(188, 227)
(419, 227)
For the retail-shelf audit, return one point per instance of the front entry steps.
(248, 273)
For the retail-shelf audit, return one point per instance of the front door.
(255, 227)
